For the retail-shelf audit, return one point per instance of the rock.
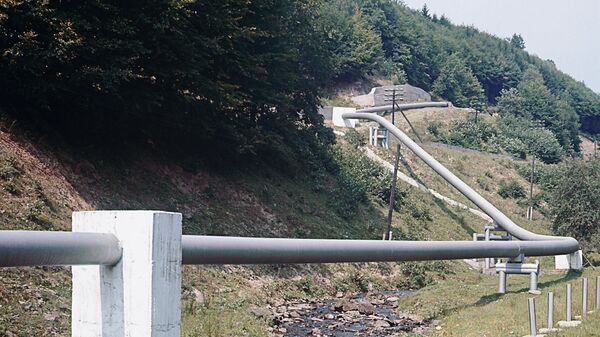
(329, 316)
(392, 299)
(51, 316)
(260, 312)
(381, 324)
(198, 296)
(295, 314)
(366, 308)
(10, 334)
(339, 294)
(315, 332)
(282, 330)
(344, 306)
(438, 328)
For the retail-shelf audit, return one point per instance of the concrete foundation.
(140, 295)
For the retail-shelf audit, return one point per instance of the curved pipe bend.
(554, 244)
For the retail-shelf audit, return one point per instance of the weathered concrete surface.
(140, 295)
(377, 96)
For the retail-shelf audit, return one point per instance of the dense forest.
(245, 77)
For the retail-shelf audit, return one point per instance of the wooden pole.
(530, 213)
(387, 235)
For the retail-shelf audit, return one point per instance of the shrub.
(511, 189)
(435, 129)
(575, 201)
(355, 138)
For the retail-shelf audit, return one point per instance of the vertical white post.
(140, 295)
(569, 317)
(584, 293)
(597, 292)
(487, 238)
(550, 310)
(532, 322)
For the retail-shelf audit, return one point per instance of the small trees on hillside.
(457, 83)
(575, 201)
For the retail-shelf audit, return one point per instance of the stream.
(362, 314)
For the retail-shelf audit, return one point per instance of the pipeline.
(38, 248)
(555, 244)
(406, 106)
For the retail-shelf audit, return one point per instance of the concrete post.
(569, 316)
(533, 282)
(502, 282)
(550, 310)
(584, 293)
(532, 322)
(597, 292)
(140, 295)
(487, 238)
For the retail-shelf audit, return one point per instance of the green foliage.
(520, 137)
(362, 178)
(351, 43)
(355, 138)
(10, 171)
(435, 128)
(243, 79)
(457, 83)
(517, 41)
(470, 133)
(230, 77)
(533, 101)
(575, 201)
(510, 189)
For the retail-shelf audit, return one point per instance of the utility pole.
(530, 209)
(387, 234)
(394, 106)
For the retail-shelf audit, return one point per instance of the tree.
(353, 46)
(517, 41)
(574, 203)
(532, 100)
(457, 83)
(425, 11)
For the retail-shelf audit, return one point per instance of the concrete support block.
(140, 295)
(576, 260)
(561, 262)
(339, 121)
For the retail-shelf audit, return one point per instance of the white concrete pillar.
(140, 295)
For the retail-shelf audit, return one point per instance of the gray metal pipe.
(407, 106)
(559, 245)
(243, 250)
(35, 248)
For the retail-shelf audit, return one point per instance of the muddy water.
(340, 317)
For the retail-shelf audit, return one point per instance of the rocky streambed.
(363, 314)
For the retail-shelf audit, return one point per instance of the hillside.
(41, 186)
(210, 109)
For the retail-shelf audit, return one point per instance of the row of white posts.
(568, 322)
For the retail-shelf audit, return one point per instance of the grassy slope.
(466, 301)
(40, 187)
(262, 202)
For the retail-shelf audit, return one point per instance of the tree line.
(245, 76)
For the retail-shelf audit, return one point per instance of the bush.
(511, 189)
(355, 138)
(575, 201)
(435, 129)
(471, 134)
(362, 177)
